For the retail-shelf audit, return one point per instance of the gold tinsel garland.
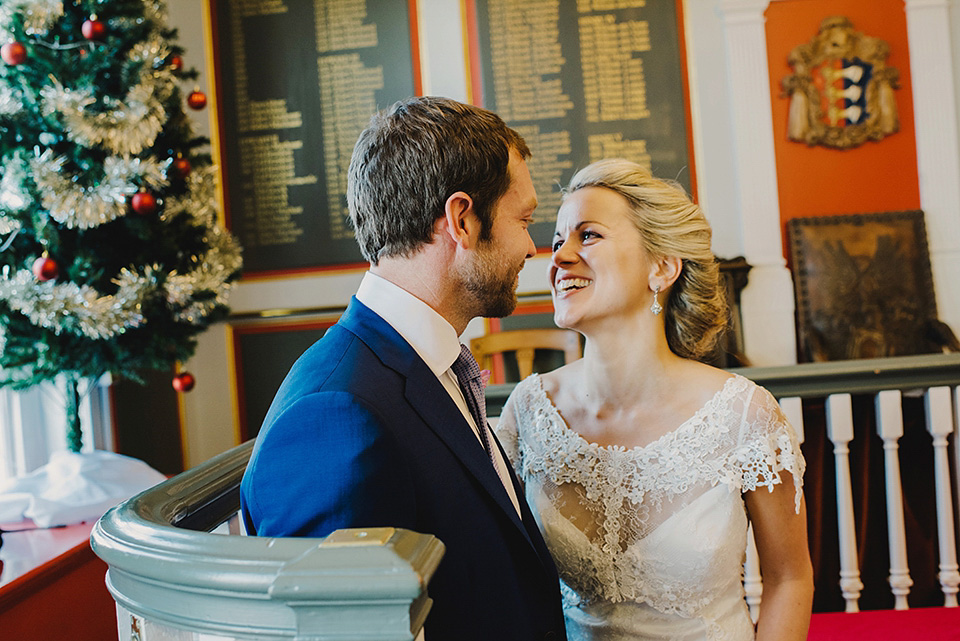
(78, 308)
(75, 206)
(213, 268)
(201, 184)
(88, 208)
(212, 272)
(38, 15)
(125, 127)
(10, 101)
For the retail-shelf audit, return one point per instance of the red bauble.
(45, 268)
(181, 166)
(144, 203)
(13, 53)
(183, 382)
(93, 29)
(176, 63)
(197, 99)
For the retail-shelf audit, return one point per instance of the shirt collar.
(431, 336)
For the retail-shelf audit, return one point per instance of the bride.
(643, 464)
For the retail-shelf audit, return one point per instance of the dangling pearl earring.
(656, 308)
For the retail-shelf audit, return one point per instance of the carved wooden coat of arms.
(841, 90)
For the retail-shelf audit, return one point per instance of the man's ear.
(665, 272)
(460, 221)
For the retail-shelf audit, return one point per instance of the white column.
(938, 158)
(767, 302)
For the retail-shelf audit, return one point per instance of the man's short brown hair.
(411, 158)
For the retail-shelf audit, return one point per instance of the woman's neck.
(628, 363)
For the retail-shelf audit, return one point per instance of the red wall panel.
(818, 181)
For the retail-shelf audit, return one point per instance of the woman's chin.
(564, 321)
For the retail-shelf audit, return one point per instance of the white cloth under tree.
(649, 541)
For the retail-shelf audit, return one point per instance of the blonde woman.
(645, 465)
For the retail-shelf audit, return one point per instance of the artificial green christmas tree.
(111, 258)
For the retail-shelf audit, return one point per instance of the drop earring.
(656, 308)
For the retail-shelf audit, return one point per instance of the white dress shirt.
(436, 342)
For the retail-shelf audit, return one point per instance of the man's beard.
(493, 288)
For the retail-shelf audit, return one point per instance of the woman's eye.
(556, 245)
(587, 235)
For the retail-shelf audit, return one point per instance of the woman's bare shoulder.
(701, 382)
(560, 381)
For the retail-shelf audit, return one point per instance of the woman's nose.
(563, 253)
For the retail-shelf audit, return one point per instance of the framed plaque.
(263, 352)
(296, 83)
(864, 286)
(581, 81)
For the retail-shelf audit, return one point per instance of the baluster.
(792, 408)
(890, 429)
(940, 425)
(752, 583)
(840, 433)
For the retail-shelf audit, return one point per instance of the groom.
(373, 425)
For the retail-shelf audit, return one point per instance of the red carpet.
(920, 624)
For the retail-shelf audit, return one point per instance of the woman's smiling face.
(599, 267)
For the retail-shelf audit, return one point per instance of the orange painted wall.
(818, 181)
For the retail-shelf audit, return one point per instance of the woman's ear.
(460, 222)
(665, 272)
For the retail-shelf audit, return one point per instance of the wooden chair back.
(523, 343)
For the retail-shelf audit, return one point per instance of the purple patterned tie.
(471, 384)
(468, 375)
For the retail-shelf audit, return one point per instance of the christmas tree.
(111, 258)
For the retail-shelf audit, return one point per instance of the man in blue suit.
(370, 427)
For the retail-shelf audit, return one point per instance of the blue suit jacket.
(362, 434)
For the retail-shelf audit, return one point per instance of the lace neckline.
(666, 437)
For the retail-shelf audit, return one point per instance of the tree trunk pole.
(74, 433)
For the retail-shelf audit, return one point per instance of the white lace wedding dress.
(650, 541)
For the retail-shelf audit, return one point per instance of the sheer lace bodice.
(649, 541)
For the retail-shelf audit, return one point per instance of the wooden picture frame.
(581, 82)
(263, 351)
(295, 84)
(863, 284)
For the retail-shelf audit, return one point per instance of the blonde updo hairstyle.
(670, 224)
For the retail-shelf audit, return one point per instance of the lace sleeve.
(516, 419)
(768, 445)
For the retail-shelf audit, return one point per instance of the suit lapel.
(527, 519)
(430, 400)
(444, 418)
